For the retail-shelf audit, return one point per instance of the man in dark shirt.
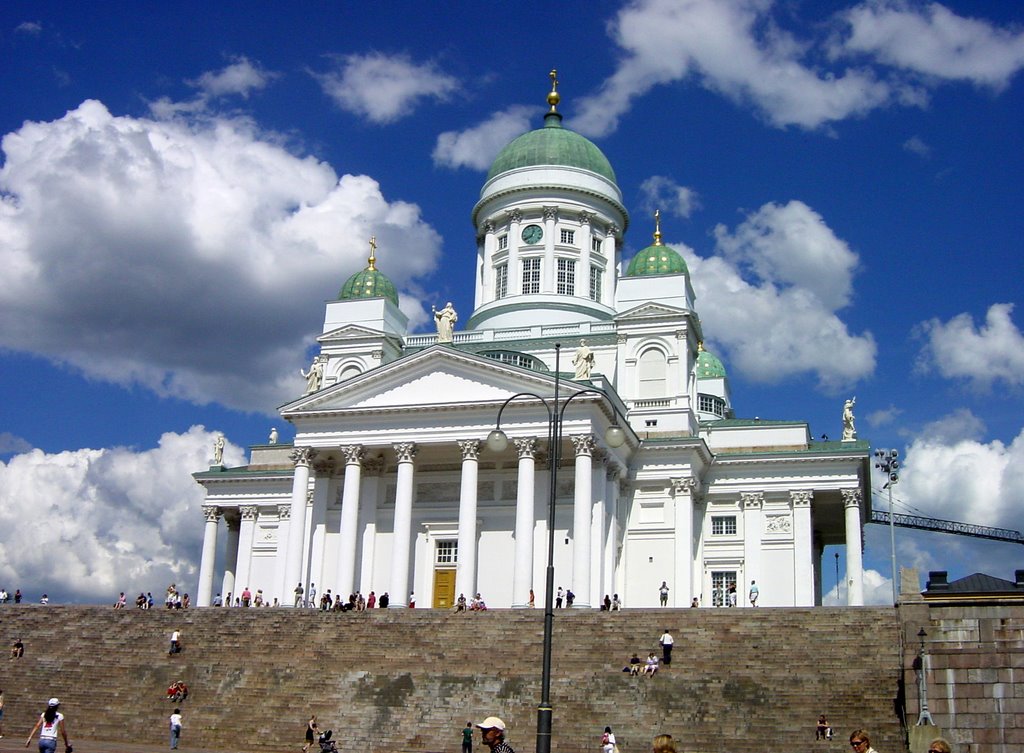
(493, 731)
(467, 738)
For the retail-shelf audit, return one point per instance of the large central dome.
(552, 145)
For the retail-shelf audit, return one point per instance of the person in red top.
(246, 597)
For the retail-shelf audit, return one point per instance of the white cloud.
(915, 145)
(930, 39)
(731, 47)
(877, 591)
(477, 147)
(791, 245)
(661, 192)
(770, 334)
(10, 443)
(33, 28)
(883, 416)
(963, 478)
(981, 355)
(382, 88)
(189, 258)
(240, 77)
(115, 519)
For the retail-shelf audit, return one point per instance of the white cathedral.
(391, 484)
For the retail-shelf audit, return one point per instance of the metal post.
(544, 710)
(922, 684)
(892, 546)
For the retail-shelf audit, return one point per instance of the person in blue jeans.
(175, 728)
(50, 726)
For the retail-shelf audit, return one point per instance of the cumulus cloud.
(982, 356)
(661, 192)
(770, 297)
(930, 39)
(189, 258)
(877, 591)
(731, 47)
(883, 416)
(241, 77)
(12, 443)
(383, 88)
(950, 473)
(477, 147)
(118, 519)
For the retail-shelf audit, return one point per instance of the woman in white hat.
(50, 724)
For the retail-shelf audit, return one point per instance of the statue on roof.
(218, 450)
(315, 376)
(849, 430)
(445, 320)
(583, 361)
(273, 436)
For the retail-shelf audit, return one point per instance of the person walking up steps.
(666, 647)
(50, 725)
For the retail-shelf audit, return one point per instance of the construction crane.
(922, 523)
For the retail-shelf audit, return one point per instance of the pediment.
(351, 332)
(440, 375)
(651, 310)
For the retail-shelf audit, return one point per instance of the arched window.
(348, 372)
(651, 369)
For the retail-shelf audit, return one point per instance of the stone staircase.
(741, 680)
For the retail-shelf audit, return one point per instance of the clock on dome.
(532, 234)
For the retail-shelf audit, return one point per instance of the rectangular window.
(595, 244)
(566, 276)
(502, 242)
(447, 553)
(596, 273)
(723, 525)
(501, 281)
(567, 237)
(531, 276)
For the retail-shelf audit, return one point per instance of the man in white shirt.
(666, 647)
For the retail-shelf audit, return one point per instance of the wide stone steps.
(741, 679)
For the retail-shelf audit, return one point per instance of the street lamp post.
(885, 461)
(497, 440)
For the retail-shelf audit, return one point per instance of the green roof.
(657, 259)
(370, 283)
(552, 145)
(709, 366)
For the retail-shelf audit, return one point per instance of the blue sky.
(181, 188)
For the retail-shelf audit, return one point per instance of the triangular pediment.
(351, 332)
(436, 376)
(651, 310)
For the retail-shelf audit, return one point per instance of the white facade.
(390, 487)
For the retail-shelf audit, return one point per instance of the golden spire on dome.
(700, 346)
(373, 254)
(553, 96)
(657, 227)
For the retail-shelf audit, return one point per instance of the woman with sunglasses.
(860, 742)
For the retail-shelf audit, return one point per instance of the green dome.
(370, 283)
(708, 365)
(552, 145)
(657, 260)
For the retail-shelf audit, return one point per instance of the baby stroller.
(327, 745)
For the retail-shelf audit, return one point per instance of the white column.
(752, 504)
(399, 595)
(803, 551)
(227, 585)
(208, 557)
(246, 534)
(515, 277)
(346, 581)
(302, 456)
(584, 445)
(611, 497)
(682, 491)
(597, 526)
(522, 567)
(318, 526)
(368, 498)
(485, 273)
(583, 268)
(547, 267)
(854, 543)
(465, 572)
(283, 592)
(611, 271)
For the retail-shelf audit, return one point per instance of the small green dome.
(708, 365)
(552, 145)
(657, 260)
(370, 283)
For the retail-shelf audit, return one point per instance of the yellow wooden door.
(444, 588)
